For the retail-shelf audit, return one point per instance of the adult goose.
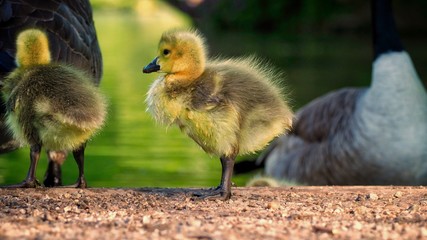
(375, 135)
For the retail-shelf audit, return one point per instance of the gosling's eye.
(166, 52)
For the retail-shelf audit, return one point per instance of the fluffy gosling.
(50, 104)
(228, 107)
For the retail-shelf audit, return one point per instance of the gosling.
(72, 40)
(228, 107)
(50, 104)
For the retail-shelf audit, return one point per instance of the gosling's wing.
(319, 149)
(71, 33)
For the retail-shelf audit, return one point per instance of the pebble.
(398, 194)
(67, 209)
(146, 219)
(273, 205)
(357, 225)
(413, 208)
(372, 196)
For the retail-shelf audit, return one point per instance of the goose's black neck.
(385, 36)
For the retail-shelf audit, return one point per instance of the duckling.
(228, 107)
(39, 111)
(361, 136)
(72, 39)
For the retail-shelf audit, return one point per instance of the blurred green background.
(319, 45)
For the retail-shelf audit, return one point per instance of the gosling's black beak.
(151, 67)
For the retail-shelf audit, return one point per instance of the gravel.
(253, 213)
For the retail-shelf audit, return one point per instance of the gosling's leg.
(30, 181)
(79, 156)
(223, 191)
(53, 176)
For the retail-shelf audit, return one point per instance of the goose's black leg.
(30, 181)
(223, 191)
(53, 176)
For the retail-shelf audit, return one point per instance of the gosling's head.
(32, 48)
(181, 54)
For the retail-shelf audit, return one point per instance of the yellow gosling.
(228, 107)
(50, 104)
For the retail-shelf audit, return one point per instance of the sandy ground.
(252, 213)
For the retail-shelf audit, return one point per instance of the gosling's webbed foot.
(25, 184)
(223, 191)
(218, 187)
(30, 181)
(213, 194)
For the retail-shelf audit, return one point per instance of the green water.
(132, 151)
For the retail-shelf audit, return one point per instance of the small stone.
(273, 205)
(196, 223)
(67, 209)
(338, 210)
(146, 219)
(413, 208)
(36, 213)
(372, 196)
(293, 195)
(336, 231)
(357, 225)
(359, 198)
(398, 194)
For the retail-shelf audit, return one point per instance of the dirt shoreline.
(353, 212)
